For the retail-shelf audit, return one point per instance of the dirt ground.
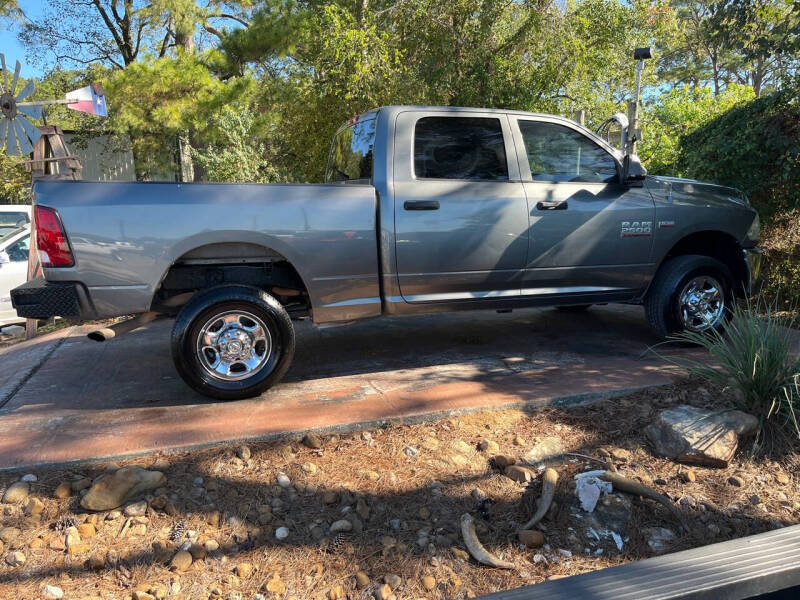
(402, 490)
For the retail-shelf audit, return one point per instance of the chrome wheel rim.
(234, 345)
(702, 303)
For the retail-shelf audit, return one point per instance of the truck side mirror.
(633, 171)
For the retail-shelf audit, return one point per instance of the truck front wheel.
(689, 293)
(232, 342)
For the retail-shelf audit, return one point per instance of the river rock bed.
(376, 513)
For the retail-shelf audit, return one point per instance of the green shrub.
(781, 244)
(756, 357)
(753, 146)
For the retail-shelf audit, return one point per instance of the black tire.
(229, 299)
(662, 306)
(573, 308)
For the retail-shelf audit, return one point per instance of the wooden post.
(580, 117)
(51, 160)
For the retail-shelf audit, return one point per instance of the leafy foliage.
(754, 147)
(781, 245)
(238, 153)
(15, 182)
(675, 115)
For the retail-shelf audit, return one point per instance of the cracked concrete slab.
(90, 400)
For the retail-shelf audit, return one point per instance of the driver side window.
(557, 153)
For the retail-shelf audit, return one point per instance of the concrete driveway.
(65, 398)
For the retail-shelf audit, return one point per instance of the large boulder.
(114, 489)
(700, 437)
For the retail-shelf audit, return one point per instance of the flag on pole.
(89, 99)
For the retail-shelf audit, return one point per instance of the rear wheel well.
(232, 263)
(721, 246)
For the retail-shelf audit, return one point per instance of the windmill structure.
(51, 157)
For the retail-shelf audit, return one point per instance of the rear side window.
(557, 153)
(460, 148)
(350, 159)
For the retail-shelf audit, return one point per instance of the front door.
(589, 233)
(461, 214)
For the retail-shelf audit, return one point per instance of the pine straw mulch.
(407, 485)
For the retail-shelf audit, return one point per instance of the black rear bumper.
(41, 299)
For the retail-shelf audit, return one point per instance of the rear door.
(589, 233)
(461, 214)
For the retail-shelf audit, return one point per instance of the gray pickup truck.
(424, 209)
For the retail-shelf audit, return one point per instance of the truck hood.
(691, 188)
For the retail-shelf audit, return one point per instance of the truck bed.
(126, 236)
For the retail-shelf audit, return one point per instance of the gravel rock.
(15, 559)
(688, 476)
(531, 538)
(97, 562)
(52, 592)
(244, 570)
(517, 473)
(547, 449)
(181, 561)
(281, 533)
(659, 539)
(736, 481)
(29, 478)
(34, 506)
(313, 440)
(362, 580)
(462, 447)
(489, 446)
(343, 525)
(782, 478)
(115, 488)
(17, 493)
(393, 581)
(502, 460)
(428, 583)
(63, 490)
(9, 535)
(283, 480)
(384, 593)
(243, 452)
(695, 436)
(136, 509)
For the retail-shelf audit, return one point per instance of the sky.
(9, 44)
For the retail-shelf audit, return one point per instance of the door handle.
(552, 205)
(421, 205)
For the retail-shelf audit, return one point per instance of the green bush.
(753, 146)
(781, 245)
(757, 359)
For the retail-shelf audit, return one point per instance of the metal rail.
(734, 570)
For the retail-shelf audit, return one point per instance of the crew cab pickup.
(423, 209)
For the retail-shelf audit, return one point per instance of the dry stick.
(549, 481)
(630, 486)
(476, 549)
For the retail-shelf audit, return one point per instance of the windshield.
(9, 221)
(351, 153)
(10, 233)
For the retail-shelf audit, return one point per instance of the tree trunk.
(185, 157)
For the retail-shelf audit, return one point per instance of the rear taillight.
(51, 242)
